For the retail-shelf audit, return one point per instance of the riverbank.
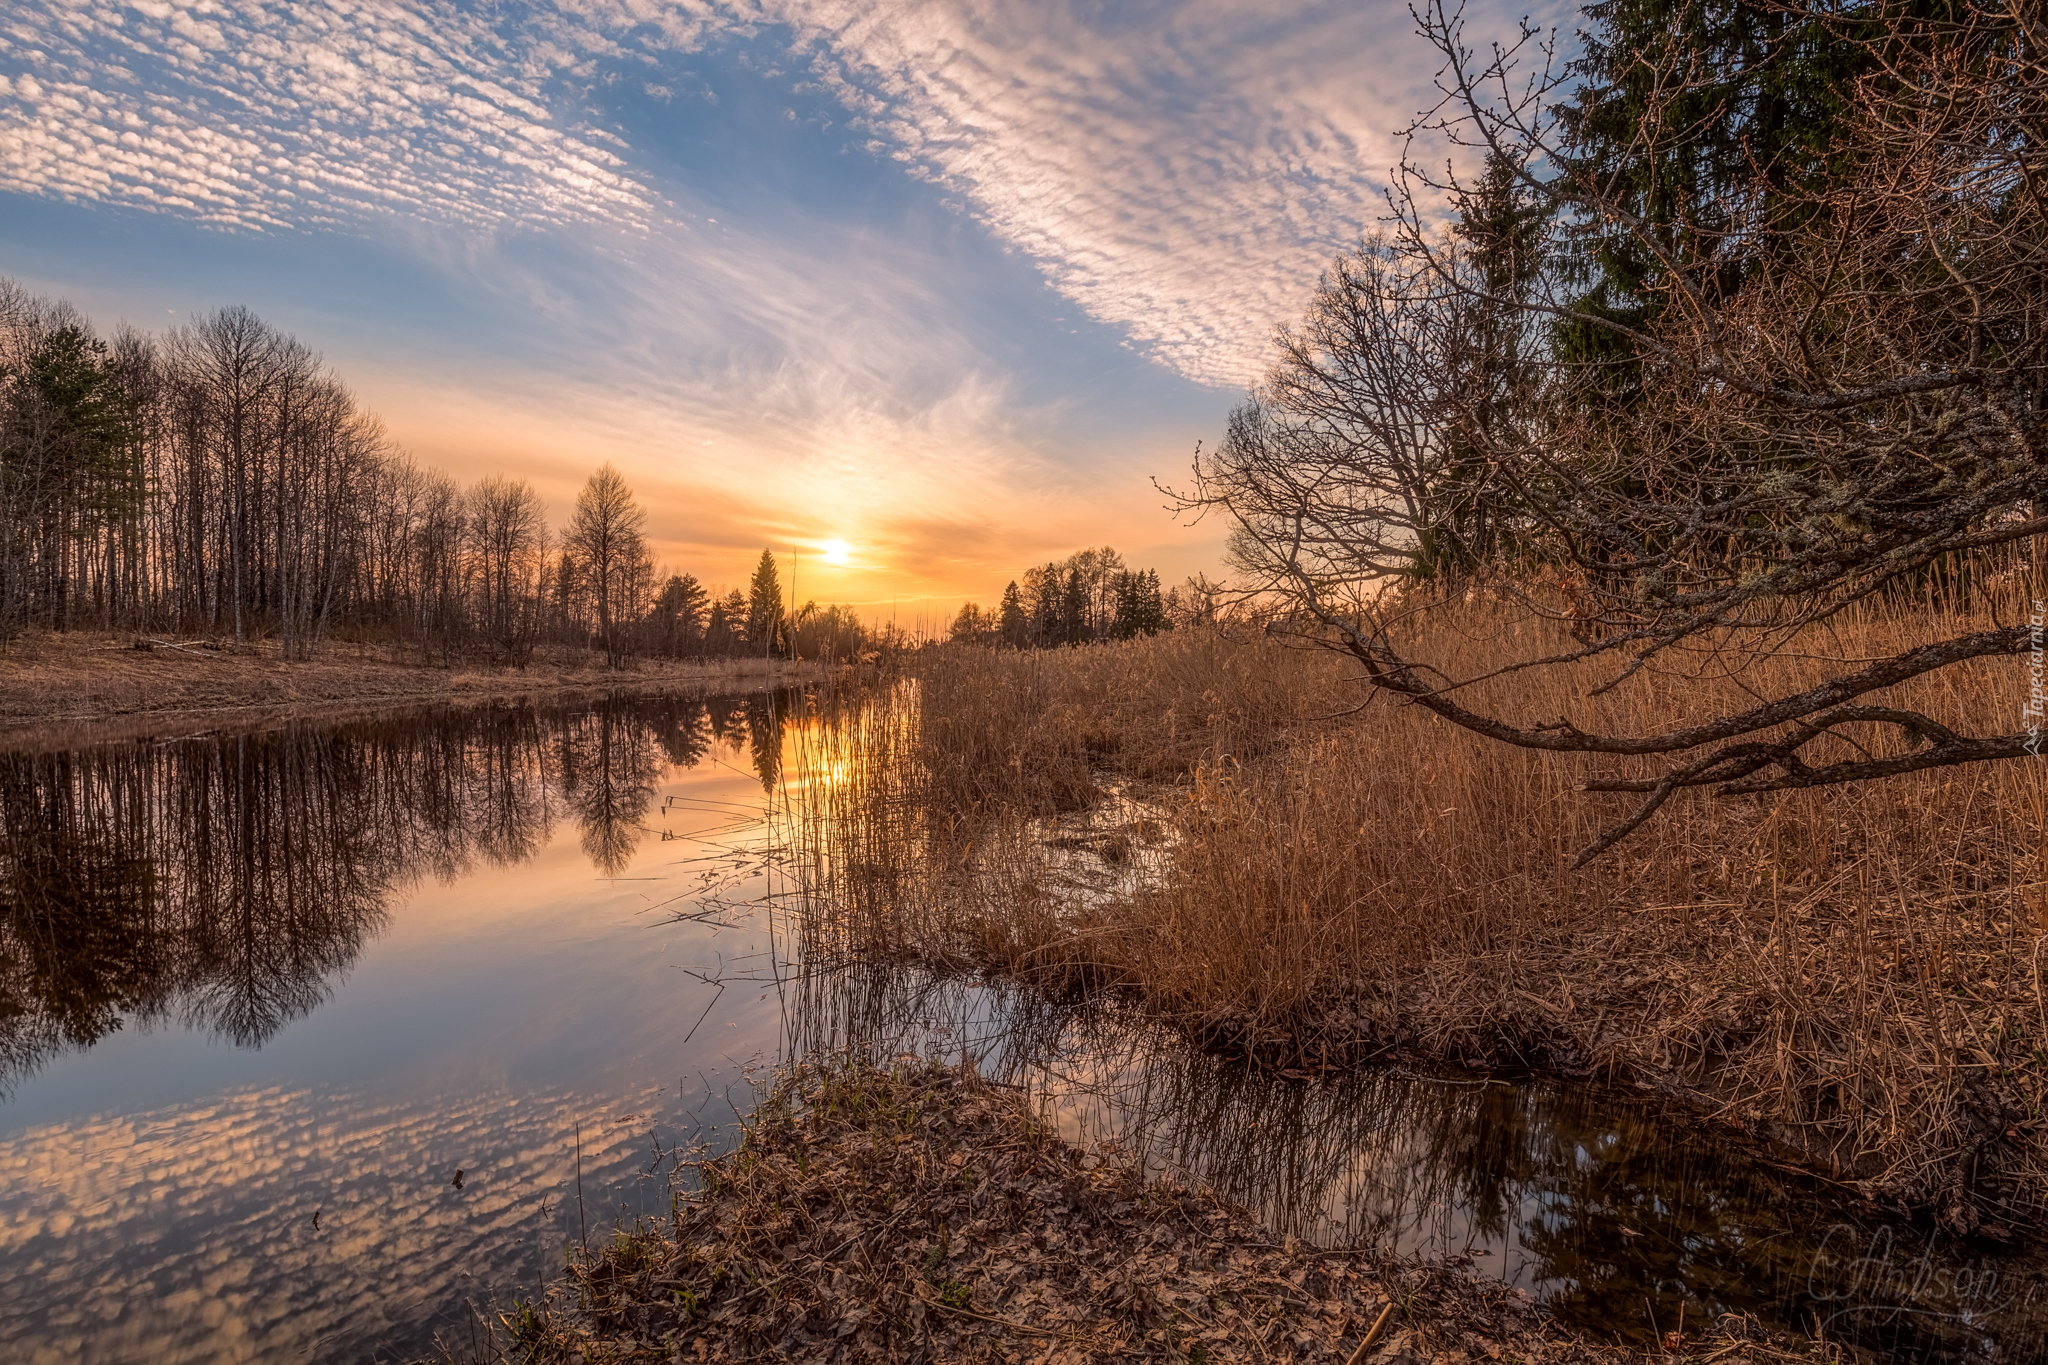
(1226, 832)
(57, 690)
(920, 1212)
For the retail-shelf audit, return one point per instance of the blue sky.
(947, 281)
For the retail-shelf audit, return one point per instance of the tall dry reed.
(1857, 970)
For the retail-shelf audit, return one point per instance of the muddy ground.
(56, 690)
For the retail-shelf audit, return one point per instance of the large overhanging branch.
(1389, 671)
(1815, 381)
(1747, 768)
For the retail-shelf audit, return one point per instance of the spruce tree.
(1140, 608)
(1013, 626)
(1504, 228)
(1767, 87)
(1151, 604)
(1043, 587)
(1074, 609)
(764, 606)
(680, 610)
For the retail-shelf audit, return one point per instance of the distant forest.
(1088, 596)
(219, 480)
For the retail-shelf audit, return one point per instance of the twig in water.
(700, 1018)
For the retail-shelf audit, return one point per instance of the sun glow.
(837, 552)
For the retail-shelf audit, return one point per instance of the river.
(263, 995)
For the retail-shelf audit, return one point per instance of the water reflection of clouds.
(501, 992)
(186, 1233)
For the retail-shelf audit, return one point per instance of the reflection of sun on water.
(816, 754)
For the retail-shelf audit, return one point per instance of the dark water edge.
(1613, 1207)
(247, 979)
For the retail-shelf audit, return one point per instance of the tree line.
(1088, 596)
(220, 480)
(1732, 321)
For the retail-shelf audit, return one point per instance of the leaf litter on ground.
(920, 1213)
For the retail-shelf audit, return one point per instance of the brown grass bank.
(58, 688)
(1318, 878)
(922, 1214)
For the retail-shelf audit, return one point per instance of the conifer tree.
(1074, 608)
(63, 474)
(680, 611)
(764, 606)
(725, 629)
(1140, 608)
(1012, 625)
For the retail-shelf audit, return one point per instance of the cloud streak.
(1179, 171)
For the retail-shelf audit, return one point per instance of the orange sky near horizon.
(923, 530)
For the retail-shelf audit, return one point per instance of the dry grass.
(922, 1214)
(1033, 731)
(57, 689)
(1857, 971)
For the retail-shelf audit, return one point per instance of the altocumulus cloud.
(262, 115)
(1180, 171)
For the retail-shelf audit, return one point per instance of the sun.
(837, 551)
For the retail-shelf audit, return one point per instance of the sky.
(947, 283)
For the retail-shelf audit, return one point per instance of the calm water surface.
(256, 978)
(261, 996)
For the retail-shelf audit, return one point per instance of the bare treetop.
(1679, 407)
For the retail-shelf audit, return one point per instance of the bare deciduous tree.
(1336, 456)
(508, 535)
(607, 534)
(1829, 381)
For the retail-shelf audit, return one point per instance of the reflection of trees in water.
(1543, 1176)
(686, 736)
(222, 882)
(74, 930)
(608, 776)
(758, 720)
(216, 881)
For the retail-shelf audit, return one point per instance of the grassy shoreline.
(59, 690)
(1856, 974)
(921, 1213)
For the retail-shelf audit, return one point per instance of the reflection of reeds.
(1849, 968)
(1536, 1179)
